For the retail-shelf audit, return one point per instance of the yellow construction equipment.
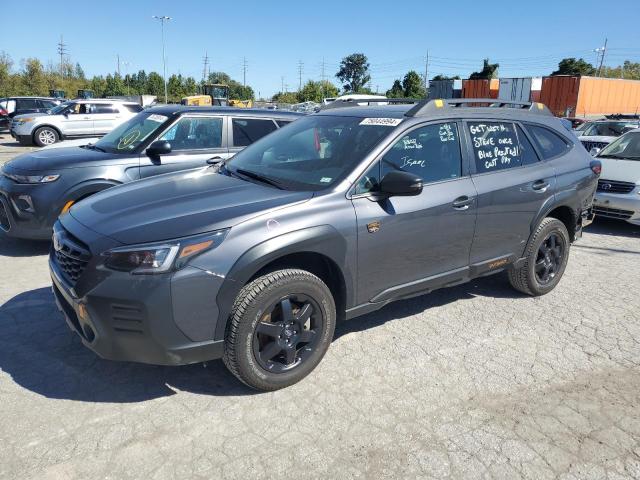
(196, 100)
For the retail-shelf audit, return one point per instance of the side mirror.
(214, 160)
(595, 151)
(157, 148)
(399, 183)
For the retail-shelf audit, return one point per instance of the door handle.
(462, 203)
(540, 186)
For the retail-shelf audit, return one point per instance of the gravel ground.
(474, 381)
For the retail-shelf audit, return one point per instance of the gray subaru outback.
(254, 260)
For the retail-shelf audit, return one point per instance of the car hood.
(178, 205)
(72, 143)
(55, 159)
(620, 170)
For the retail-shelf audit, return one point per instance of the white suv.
(73, 119)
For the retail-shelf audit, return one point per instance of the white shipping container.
(518, 89)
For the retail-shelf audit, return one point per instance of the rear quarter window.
(282, 123)
(248, 130)
(549, 143)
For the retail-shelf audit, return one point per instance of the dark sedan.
(37, 186)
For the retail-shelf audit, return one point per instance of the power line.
(62, 51)
(244, 71)
(205, 67)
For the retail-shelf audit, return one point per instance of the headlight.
(161, 257)
(32, 178)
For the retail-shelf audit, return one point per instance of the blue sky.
(526, 38)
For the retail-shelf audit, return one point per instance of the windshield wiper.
(92, 146)
(257, 176)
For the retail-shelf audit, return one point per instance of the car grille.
(612, 212)
(70, 255)
(613, 186)
(5, 224)
(588, 145)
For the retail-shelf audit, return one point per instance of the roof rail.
(431, 106)
(358, 102)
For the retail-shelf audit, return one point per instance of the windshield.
(312, 153)
(607, 129)
(59, 109)
(128, 136)
(627, 147)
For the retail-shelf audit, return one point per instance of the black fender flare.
(85, 189)
(323, 239)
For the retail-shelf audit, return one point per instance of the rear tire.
(45, 136)
(546, 258)
(281, 325)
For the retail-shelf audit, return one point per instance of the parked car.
(618, 194)
(334, 216)
(600, 133)
(37, 186)
(12, 106)
(73, 119)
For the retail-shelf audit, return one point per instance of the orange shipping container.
(480, 88)
(590, 96)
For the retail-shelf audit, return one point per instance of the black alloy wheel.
(550, 258)
(287, 334)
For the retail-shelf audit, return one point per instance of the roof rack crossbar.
(358, 102)
(431, 106)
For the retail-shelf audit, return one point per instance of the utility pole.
(300, 66)
(602, 51)
(126, 72)
(426, 74)
(118, 60)
(162, 19)
(205, 61)
(282, 82)
(322, 77)
(244, 71)
(62, 51)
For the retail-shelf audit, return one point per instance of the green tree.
(286, 97)
(628, 70)
(78, 72)
(489, 71)
(444, 77)
(396, 91)
(175, 88)
(354, 72)
(154, 85)
(413, 86)
(316, 91)
(114, 86)
(7, 79)
(34, 81)
(98, 84)
(571, 66)
(190, 86)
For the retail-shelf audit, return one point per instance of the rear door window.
(248, 130)
(550, 144)
(27, 104)
(46, 104)
(495, 146)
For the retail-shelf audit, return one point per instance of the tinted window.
(27, 104)
(431, 152)
(194, 133)
(248, 130)
(47, 104)
(282, 123)
(370, 180)
(607, 129)
(528, 153)
(129, 135)
(495, 146)
(627, 147)
(550, 144)
(103, 108)
(133, 108)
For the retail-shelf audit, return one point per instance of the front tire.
(281, 325)
(546, 257)
(45, 136)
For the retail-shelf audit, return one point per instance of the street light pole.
(162, 19)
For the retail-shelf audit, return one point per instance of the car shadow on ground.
(17, 247)
(42, 355)
(615, 228)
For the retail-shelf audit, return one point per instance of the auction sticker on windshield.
(389, 122)
(157, 118)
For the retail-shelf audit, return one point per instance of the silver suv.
(73, 119)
